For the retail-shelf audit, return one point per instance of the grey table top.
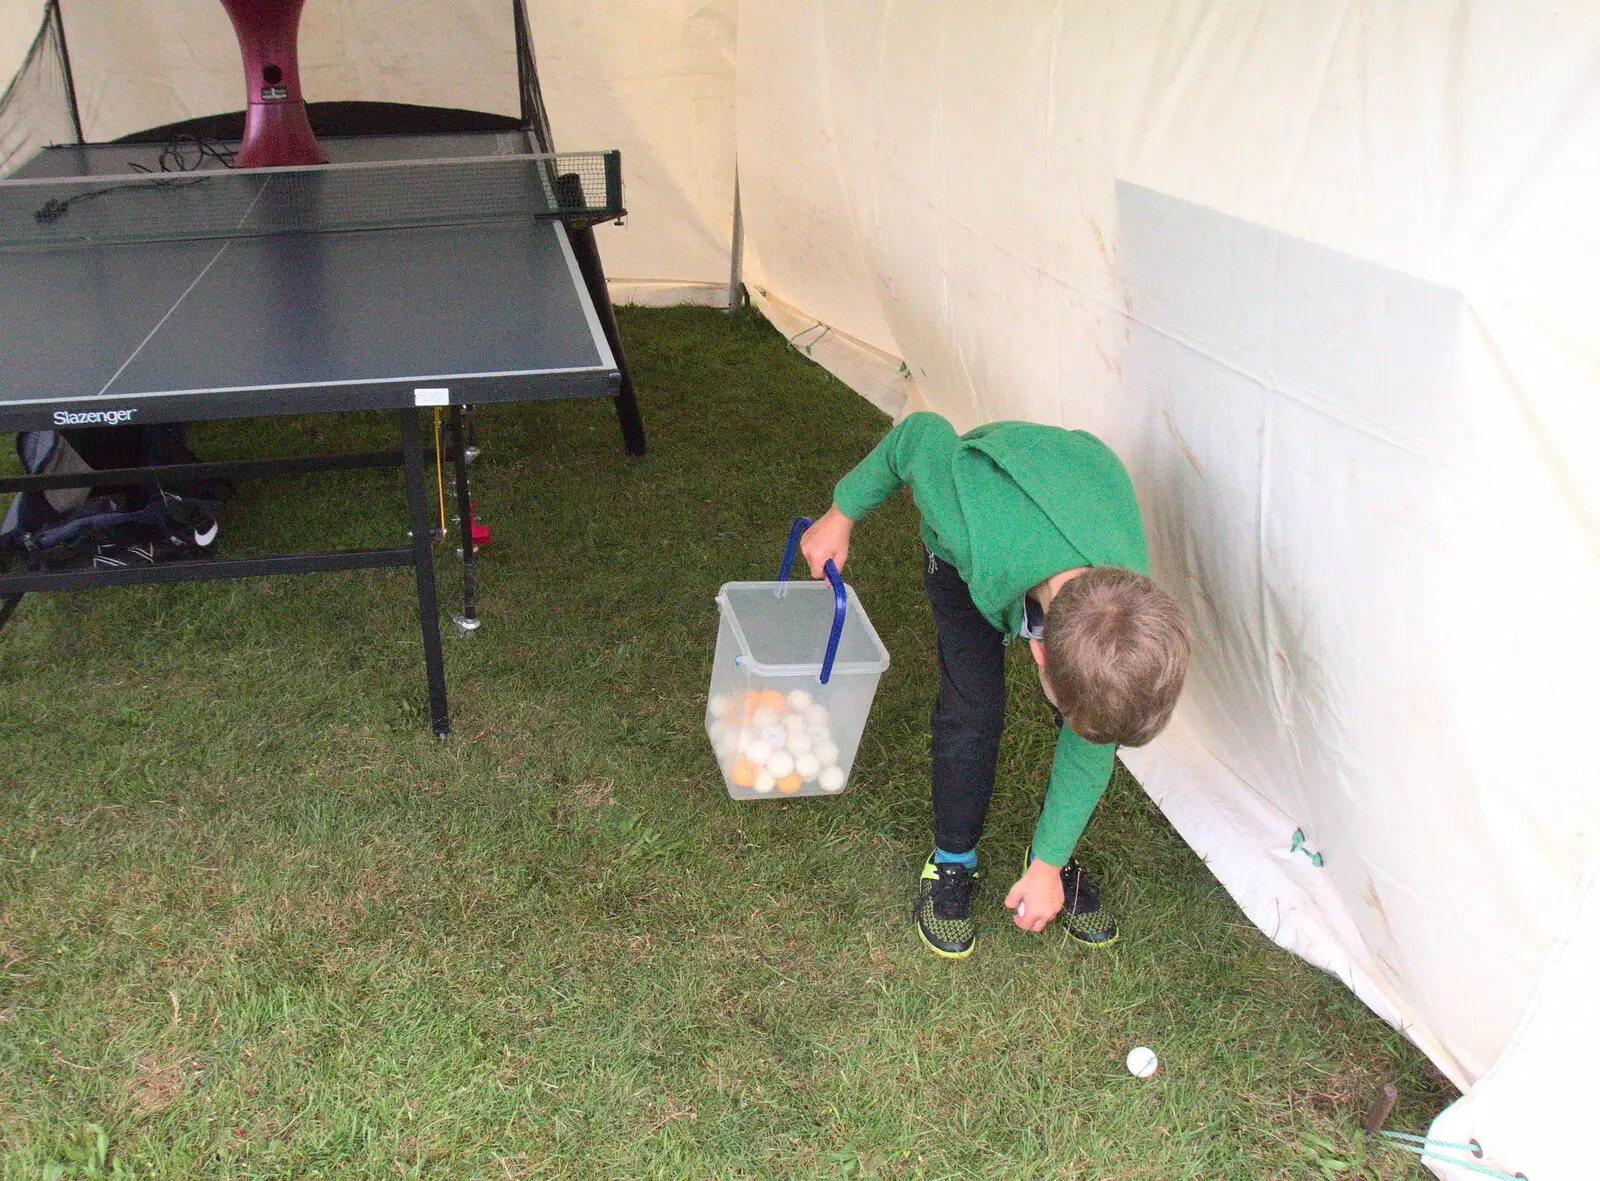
(294, 323)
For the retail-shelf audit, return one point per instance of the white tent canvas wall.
(1320, 274)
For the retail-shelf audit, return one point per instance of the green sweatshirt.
(1008, 505)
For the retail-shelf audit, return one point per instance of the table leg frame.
(418, 555)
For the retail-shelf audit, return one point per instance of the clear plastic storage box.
(778, 729)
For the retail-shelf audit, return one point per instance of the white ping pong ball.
(827, 753)
(798, 742)
(763, 717)
(799, 699)
(817, 714)
(719, 705)
(1142, 1062)
(831, 779)
(764, 782)
(780, 763)
(794, 722)
(757, 752)
(807, 765)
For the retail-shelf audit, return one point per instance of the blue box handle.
(840, 602)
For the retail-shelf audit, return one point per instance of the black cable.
(176, 155)
(182, 153)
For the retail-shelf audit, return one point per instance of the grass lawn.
(256, 922)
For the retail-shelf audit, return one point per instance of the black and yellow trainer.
(1081, 913)
(944, 908)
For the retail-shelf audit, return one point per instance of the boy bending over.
(1028, 531)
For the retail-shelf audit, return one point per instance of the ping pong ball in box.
(775, 742)
(1142, 1062)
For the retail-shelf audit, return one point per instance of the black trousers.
(970, 712)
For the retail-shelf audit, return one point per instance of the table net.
(578, 187)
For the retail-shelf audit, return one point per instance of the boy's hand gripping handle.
(801, 524)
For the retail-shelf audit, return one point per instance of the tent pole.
(534, 116)
(736, 262)
(66, 65)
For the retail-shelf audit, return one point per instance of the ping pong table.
(409, 273)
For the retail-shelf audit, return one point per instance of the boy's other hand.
(1039, 894)
(828, 538)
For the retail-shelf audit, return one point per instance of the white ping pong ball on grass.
(1142, 1062)
(780, 763)
(807, 765)
(831, 779)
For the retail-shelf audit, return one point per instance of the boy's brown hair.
(1116, 650)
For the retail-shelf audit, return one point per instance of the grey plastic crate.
(777, 730)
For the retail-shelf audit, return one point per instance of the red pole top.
(276, 131)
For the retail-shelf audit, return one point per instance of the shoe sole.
(1095, 946)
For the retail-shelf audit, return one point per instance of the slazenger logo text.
(108, 417)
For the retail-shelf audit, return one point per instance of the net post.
(613, 166)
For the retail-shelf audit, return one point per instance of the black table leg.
(422, 560)
(594, 278)
(8, 604)
(467, 622)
